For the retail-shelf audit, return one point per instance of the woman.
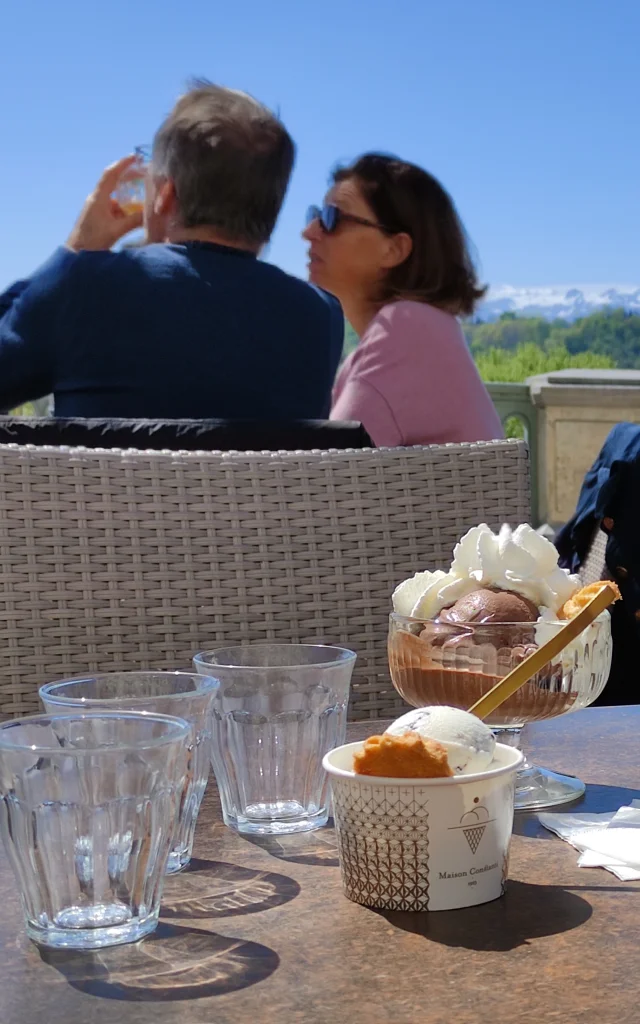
(389, 244)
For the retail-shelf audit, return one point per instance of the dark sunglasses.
(330, 218)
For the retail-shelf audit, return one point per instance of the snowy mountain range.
(558, 301)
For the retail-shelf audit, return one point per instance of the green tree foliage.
(508, 332)
(611, 333)
(528, 359)
(614, 333)
(512, 349)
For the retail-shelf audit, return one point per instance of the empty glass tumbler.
(186, 695)
(88, 811)
(279, 708)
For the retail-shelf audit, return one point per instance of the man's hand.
(102, 221)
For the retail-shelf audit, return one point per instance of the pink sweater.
(412, 380)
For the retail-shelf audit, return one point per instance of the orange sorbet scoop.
(402, 757)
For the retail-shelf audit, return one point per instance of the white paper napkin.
(610, 841)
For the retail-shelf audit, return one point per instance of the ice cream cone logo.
(473, 825)
(473, 835)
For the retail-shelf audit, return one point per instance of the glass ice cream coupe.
(438, 662)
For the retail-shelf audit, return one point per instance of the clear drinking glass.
(277, 712)
(88, 811)
(442, 663)
(187, 695)
(130, 192)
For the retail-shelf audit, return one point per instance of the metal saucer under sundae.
(455, 634)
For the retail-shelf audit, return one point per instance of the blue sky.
(527, 110)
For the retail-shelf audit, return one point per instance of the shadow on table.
(214, 889)
(172, 964)
(317, 848)
(526, 912)
(596, 800)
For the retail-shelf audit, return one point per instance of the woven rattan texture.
(594, 566)
(122, 559)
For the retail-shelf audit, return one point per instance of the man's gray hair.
(230, 159)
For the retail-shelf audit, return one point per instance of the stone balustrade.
(566, 417)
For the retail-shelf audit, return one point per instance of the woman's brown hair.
(404, 198)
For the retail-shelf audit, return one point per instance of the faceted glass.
(278, 710)
(89, 806)
(187, 695)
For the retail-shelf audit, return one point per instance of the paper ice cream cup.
(423, 844)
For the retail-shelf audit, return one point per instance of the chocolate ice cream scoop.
(491, 605)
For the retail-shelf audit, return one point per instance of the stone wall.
(576, 410)
(565, 418)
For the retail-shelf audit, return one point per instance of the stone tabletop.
(259, 931)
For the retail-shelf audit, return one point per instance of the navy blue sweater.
(168, 332)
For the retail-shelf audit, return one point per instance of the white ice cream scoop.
(468, 741)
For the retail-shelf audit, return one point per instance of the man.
(191, 324)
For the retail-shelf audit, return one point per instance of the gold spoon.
(536, 661)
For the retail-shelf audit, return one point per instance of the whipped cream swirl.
(520, 560)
